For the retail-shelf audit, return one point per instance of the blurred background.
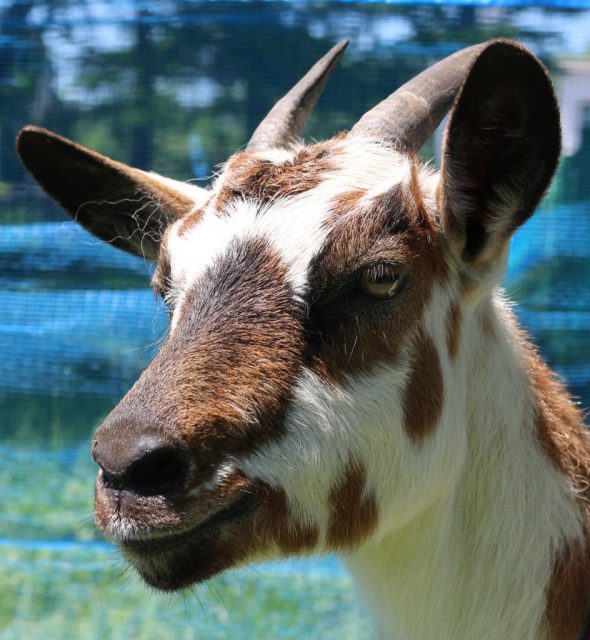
(177, 86)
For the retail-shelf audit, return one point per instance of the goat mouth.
(173, 561)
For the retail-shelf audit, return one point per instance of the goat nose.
(147, 466)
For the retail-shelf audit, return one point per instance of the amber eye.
(380, 281)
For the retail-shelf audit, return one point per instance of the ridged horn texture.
(409, 116)
(285, 121)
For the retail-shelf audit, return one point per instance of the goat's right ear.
(125, 207)
(501, 149)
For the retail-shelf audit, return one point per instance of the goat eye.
(380, 281)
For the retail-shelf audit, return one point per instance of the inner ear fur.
(501, 149)
(121, 205)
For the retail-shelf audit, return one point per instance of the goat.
(342, 373)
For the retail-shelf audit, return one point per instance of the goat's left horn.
(410, 114)
(286, 119)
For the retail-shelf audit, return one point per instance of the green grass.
(87, 594)
(55, 589)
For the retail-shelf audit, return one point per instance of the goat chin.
(181, 558)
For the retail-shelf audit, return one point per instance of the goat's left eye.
(380, 281)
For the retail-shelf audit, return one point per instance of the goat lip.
(176, 561)
(168, 541)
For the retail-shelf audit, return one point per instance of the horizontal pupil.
(379, 281)
(385, 278)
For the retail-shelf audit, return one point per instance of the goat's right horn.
(286, 119)
(410, 115)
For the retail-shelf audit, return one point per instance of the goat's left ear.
(501, 149)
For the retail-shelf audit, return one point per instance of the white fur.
(469, 520)
(470, 517)
(475, 563)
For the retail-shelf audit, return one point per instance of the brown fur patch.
(566, 442)
(350, 331)
(423, 395)
(218, 388)
(346, 202)
(274, 523)
(161, 277)
(354, 514)
(454, 319)
(222, 381)
(249, 176)
(191, 220)
(567, 596)
(239, 355)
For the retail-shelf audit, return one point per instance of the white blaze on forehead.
(295, 230)
(295, 227)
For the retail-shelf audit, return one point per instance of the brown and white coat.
(342, 373)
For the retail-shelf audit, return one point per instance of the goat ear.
(501, 148)
(126, 207)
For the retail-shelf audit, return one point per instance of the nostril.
(157, 471)
(138, 455)
(148, 467)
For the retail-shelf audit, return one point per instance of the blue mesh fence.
(63, 339)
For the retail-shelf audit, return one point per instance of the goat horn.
(410, 114)
(286, 119)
